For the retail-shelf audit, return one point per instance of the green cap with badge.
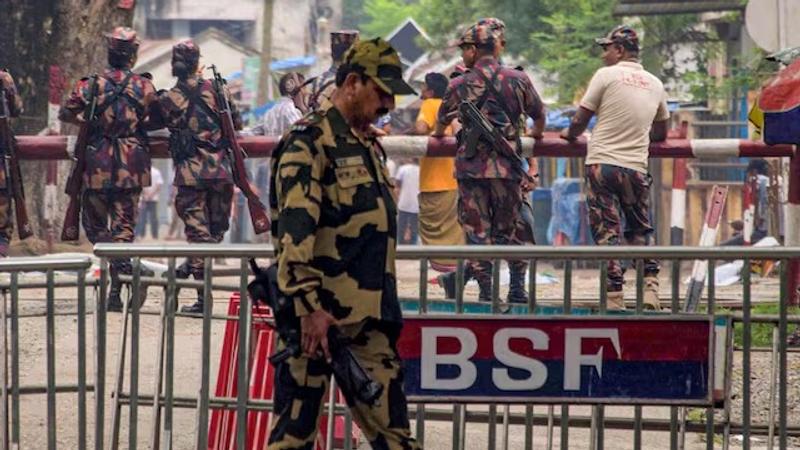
(381, 63)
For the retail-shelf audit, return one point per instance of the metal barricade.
(528, 416)
(15, 385)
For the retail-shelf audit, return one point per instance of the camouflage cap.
(122, 39)
(187, 51)
(341, 41)
(483, 32)
(496, 25)
(381, 63)
(622, 35)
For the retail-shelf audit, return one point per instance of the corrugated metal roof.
(658, 7)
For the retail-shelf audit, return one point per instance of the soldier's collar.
(485, 61)
(337, 121)
(339, 125)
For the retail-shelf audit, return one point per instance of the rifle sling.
(196, 100)
(490, 88)
(118, 92)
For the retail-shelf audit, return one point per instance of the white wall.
(224, 57)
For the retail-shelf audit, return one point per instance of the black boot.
(516, 289)
(485, 293)
(448, 282)
(183, 271)
(114, 301)
(198, 306)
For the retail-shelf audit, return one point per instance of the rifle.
(478, 127)
(258, 213)
(13, 172)
(70, 231)
(353, 380)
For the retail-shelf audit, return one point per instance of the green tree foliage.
(564, 46)
(383, 16)
(557, 36)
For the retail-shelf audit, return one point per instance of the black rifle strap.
(490, 87)
(197, 100)
(118, 90)
(514, 120)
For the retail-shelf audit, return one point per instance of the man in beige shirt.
(631, 108)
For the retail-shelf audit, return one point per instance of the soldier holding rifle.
(10, 175)
(112, 158)
(208, 160)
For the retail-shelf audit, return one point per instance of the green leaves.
(557, 37)
(383, 16)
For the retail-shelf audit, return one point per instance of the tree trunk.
(36, 35)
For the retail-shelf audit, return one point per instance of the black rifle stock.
(353, 380)
(13, 172)
(74, 188)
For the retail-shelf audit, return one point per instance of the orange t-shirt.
(435, 174)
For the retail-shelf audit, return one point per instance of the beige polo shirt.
(627, 100)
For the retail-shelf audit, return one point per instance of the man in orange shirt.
(438, 190)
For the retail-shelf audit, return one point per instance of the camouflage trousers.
(490, 211)
(206, 213)
(614, 194)
(109, 215)
(6, 220)
(301, 386)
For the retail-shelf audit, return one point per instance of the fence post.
(792, 226)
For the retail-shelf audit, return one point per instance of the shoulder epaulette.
(309, 120)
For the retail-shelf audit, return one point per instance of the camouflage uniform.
(335, 232)
(117, 157)
(323, 85)
(203, 175)
(490, 195)
(14, 102)
(608, 186)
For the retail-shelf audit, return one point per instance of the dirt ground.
(187, 368)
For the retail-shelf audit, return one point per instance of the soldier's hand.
(529, 185)
(314, 329)
(565, 135)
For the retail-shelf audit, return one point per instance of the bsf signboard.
(610, 360)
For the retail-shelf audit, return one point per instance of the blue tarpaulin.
(566, 216)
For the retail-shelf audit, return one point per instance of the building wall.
(214, 52)
(293, 24)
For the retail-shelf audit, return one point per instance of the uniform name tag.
(350, 161)
(350, 176)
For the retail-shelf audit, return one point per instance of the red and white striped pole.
(678, 211)
(56, 87)
(58, 147)
(708, 238)
(792, 227)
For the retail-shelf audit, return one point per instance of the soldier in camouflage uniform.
(493, 186)
(335, 232)
(631, 109)
(117, 157)
(323, 85)
(202, 165)
(14, 102)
